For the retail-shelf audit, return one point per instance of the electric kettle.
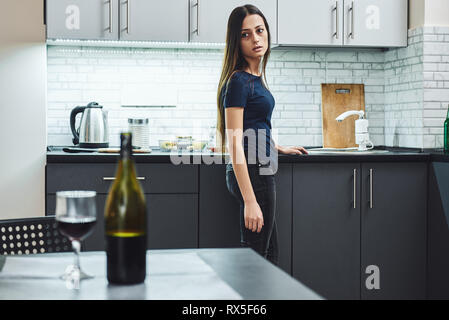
(93, 129)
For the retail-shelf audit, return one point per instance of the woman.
(245, 104)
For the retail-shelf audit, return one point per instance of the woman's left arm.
(291, 149)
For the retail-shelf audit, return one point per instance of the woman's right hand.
(253, 216)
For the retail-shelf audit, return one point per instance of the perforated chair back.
(31, 236)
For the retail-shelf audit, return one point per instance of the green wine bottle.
(446, 133)
(125, 222)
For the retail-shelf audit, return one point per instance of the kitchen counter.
(56, 155)
(437, 155)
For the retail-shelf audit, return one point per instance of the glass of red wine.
(76, 215)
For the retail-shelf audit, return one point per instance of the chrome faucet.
(361, 128)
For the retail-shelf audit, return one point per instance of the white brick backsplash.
(334, 65)
(435, 131)
(433, 122)
(64, 95)
(301, 97)
(340, 56)
(436, 48)
(304, 140)
(435, 113)
(293, 55)
(314, 130)
(370, 57)
(436, 95)
(302, 65)
(287, 131)
(338, 73)
(288, 80)
(433, 105)
(291, 115)
(290, 72)
(436, 59)
(406, 89)
(285, 123)
(311, 115)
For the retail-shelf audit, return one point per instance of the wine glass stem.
(76, 245)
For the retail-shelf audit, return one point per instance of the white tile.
(436, 95)
(429, 141)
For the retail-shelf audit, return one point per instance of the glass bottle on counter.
(211, 142)
(125, 222)
(446, 133)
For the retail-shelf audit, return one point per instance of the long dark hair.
(234, 60)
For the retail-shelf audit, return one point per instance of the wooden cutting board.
(336, 99)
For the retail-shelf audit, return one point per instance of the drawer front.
(153, 177)
(162, 210)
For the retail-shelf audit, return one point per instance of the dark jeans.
(264, 186)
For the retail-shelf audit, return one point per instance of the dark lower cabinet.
(219, 217)
(346, 230)
(438, 231)
(284, 192)
(326, 228)
(374, 248)
(393, 230)
(96, 240)
(219, 221)
(172, 221)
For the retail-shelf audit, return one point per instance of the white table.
(181, 274)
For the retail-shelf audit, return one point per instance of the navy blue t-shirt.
(247, 91)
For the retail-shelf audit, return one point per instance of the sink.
(351, 151)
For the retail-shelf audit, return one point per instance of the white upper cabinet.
(310, 23)
(209, 18)
(380, 23)
(82, 19)
(163, 20)
(361, 23)
(145, 20)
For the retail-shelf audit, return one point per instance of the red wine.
(76, 228)
(125, 262)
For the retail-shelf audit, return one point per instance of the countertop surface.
(55, 154)
(181, 274)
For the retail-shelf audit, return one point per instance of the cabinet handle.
(355, 187)
(197, 5)
(127, 16)
(336, 20)
(113, 178)
(371, 188)
(110, 16)
(351, 34)
(198, 18)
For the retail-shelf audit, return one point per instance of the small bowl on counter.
(167, 145)
(199, 145)
(184, 142)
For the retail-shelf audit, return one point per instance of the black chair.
(31, 236)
